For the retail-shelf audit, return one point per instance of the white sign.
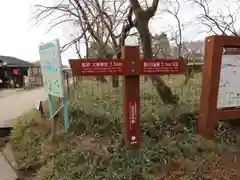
(229, 85)
(37, 105)
(51, 66)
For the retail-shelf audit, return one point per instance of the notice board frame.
(209, 114)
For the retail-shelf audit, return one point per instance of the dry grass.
(93, 149)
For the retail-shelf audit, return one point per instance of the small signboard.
(51, 66)
(38, 105)
(229, 84)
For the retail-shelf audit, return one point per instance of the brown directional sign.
(100, 67)
(92, 67)
(130, 66)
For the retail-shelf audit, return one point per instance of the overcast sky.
(20, 39)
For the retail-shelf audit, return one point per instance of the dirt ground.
(224, 168)
(9, 92)
(14, 103)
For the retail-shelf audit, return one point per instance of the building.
(34, 77)
(12, 71)
(191, 50)
(161, 46)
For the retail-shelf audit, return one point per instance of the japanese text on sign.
(51, 67)
(97, 67)
(228, 93)
(133, 120)
(132, 114)
(160, 66)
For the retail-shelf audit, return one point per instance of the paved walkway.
(7, 172)
(8, 92)
(15, 104)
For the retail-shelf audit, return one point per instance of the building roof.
(12, 61)
(37, 64)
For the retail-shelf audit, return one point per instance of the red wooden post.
(131, 96)
(131, 67)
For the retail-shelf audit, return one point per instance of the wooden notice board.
(220, 94)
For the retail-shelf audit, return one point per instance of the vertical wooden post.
(131, 97)
(53, 122)
(41, 109)
(115, 78)
(68, 87)
(209, 78)
(65, 112)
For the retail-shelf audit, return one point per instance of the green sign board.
(51, 66)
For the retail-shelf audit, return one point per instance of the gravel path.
(14, 105)
(9, 92)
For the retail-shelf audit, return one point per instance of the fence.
(97, 97)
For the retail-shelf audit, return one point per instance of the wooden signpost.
(220, 95)
(131, 67)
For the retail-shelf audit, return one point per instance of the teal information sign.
(52, 72)
(51, 66)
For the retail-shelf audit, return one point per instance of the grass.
(94, 149)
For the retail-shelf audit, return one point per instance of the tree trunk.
(115, 81)
(101, 78)
(163, 90)
(188, 74)
(145, 78)
(115, 78)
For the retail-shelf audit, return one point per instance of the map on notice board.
(51, 66)
(229, 84)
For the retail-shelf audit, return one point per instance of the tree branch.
(150, 12)
(135, 4)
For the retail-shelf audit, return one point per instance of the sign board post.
(131, 67)
(39, 107)
(53, 79)
(131, 96)
(220, 94)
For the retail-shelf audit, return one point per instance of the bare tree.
(192, 52)
(182, 52)
(141, 23)
(99, 19)
(222, 21)
(161, 46)
(88, 15)
(173, 9)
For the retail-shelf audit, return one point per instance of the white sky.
(20, 39)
